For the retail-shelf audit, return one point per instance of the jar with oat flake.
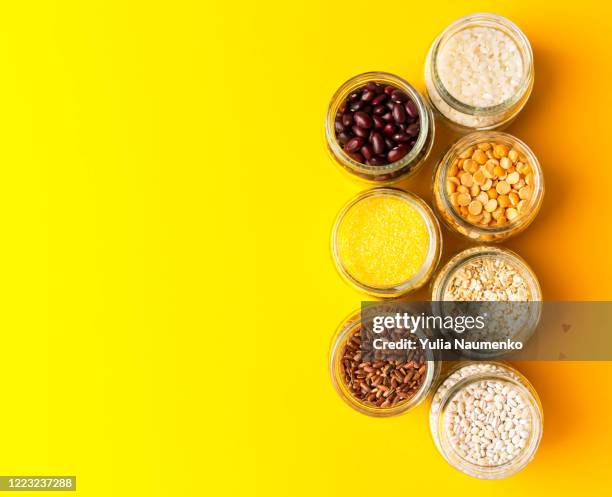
(500, 283)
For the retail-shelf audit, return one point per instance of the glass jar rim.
(473, 139)
(524, 457)
(433, 250)
(344, 330)
(442, 279)
(426, 127)
(497, 22)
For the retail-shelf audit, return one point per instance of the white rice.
(480, 66)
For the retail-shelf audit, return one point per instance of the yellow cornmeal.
(382, 241)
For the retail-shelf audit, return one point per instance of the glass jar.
(431, 258)
(445, 274)
(455, 221)
(461, 116)
(395, 171)
(347, 328)
(524, 435)
(529, 310)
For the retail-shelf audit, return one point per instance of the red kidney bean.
(411, 109)
(400, 137)
(353, 144)
(377, 161)
(389, 129)
(380, 99)
(398, 96)
(344, 137)
(368, 95)
(377, 124)
(378, 143)
(356, 156)
(355, 106)
(379, 110)
(399, 113)
(362, 132)
(397, 153)
(363, 120)
(367, 151)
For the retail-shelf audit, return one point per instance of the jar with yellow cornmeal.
(386, 242)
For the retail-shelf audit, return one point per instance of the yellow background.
(167, 292)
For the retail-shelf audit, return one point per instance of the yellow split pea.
(383, 241)
(489, 184)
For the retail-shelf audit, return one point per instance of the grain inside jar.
(502, 284)
(479, 72)
(386, 384)
(381, 383)
(386, 242)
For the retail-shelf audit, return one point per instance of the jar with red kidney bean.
(379, 128)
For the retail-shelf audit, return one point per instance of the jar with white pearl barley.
(486, 419)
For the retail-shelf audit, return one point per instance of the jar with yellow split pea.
(386, 242)
(488, 186)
